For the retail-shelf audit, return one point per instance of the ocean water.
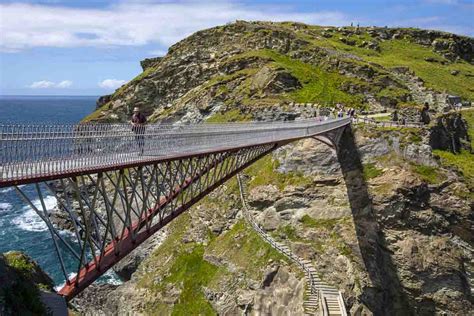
(20, 227)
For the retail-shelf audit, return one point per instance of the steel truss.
(113, 212)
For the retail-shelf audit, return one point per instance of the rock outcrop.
(450, 133)
(21, 280)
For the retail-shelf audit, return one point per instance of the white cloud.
(133, 23)
(111, 83)
(64, 84)
(45, 84)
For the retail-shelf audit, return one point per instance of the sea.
(20, 227)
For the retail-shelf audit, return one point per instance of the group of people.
(339, 111)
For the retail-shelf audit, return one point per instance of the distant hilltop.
(229, 70)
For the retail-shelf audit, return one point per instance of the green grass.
(242, 246)
(326, 223)
(233, 115)
(405, 53)
(463, 162)
(191, 272)
(319, 86)
(265, 172)
(468, 115)
(384, 118)
(20, 263)
(288, 231)
(392, 93)
(182, 266)
(428, 173)
(371, 171)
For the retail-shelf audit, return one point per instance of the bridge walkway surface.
(116, 187)
(38, 152)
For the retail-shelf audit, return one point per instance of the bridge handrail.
(83, 130)
(38, 150)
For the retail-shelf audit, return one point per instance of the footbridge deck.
(38, 152)
(117, 185)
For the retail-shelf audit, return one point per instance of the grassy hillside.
(246, 65)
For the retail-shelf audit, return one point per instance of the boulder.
(269, 219)
(148, 62)
(102, 100)
(450, 133)
(263, 196)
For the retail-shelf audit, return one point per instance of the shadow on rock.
(386, 296)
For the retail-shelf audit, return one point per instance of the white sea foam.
(70, 275)
(109, 277)
(29, 220)
(5, 206)
(6, 190)
(112, 278)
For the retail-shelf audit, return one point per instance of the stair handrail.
(314, 290)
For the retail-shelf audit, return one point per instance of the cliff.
(391, 229)
(21, 281)
(232, 69)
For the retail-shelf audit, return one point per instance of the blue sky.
(91, 47)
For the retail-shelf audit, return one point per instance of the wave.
(5, 206)
(110, 277)
(6, 190)
(59, 286)
(29, 220)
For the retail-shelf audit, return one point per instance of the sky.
(91, 47)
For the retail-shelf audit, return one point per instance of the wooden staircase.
(320, 297)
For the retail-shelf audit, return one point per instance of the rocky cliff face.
(387, 220)
(21, 280)
(235, 68)
(393, 232)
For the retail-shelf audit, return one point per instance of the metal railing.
(30, 151)
(371, 121)
(313, 281)
(276, 245)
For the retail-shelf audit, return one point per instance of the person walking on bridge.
(138, 127)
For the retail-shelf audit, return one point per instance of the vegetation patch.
(429, 174)
(321, 223)
(20, 293)
(287, 232)
(233, 115)
(468, 115)
(462, 162)
(191, 272)
(319, 86)
(245, 248)
(265, 172)
(371, 171)
(402, 52)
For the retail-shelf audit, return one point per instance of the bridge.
(118, 186)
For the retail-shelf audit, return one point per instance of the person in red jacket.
(138, 127)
